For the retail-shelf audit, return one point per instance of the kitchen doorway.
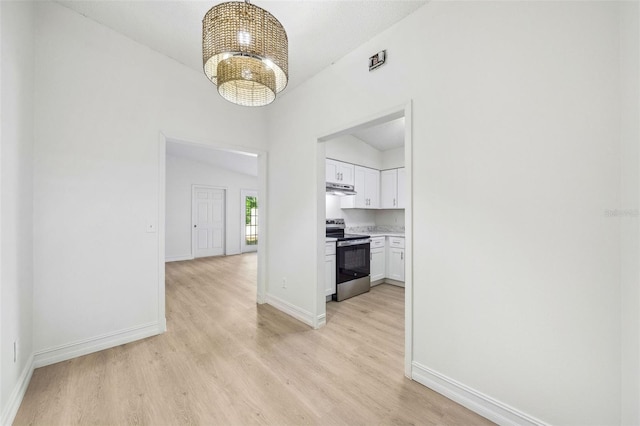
(348, 130)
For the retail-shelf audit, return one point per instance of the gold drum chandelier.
(245, 53)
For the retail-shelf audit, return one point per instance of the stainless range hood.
(340, 189)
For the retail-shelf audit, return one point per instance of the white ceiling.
(230, 160)
(384, 136)
(320, 31)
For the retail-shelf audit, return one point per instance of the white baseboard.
(322, 320)
(10, 410)
(478, 402)
(394, 282)
(178, 258)
(95, 344)
(291, 310)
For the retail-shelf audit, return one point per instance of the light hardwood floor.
(227, 361)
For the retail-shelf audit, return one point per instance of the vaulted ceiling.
(320, 32)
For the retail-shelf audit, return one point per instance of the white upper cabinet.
(392, 189)
(389, 189)
(401, 188)
(367, 187)
(372, 188)
(339, 172)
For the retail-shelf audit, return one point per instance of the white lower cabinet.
(378, 259)
(395, 270)
(330, 268)
(395, 258)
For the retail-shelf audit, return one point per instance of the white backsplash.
(375, 228)
(362, 220)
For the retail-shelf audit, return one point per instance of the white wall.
(352, 217)
(101, 102)
(181, 175)
(516, 157)
(16, 198)
(629, 205)
(392, 158)
(391, 217)
(350, 149)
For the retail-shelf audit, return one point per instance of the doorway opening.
(383, 202)
(200, 212)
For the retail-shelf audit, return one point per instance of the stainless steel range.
(353, 261)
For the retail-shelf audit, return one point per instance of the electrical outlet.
(284, 282)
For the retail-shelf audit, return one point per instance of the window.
(251, 221)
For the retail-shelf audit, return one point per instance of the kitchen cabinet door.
(389, 189)
(367, 187)
(401, 188)
(377, 264)
(395, 263)
(360, 199)
(339, 172)
(330, 275)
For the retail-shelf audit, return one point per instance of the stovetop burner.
(346, 237)
(335, 228)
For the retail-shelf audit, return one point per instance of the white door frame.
(390, 114)
(193, 217)
(161, 214)
(243, 194)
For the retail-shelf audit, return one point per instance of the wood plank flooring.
(227, 361)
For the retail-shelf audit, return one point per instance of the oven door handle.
(353, 242)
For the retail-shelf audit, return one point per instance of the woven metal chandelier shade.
(245, 53)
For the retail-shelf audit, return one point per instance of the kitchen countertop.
(371, 234)
(386, 234)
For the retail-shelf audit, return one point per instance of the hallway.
(225, 360)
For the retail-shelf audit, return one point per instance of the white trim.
(15, 399)
(395, 282)
(261, 288)
(162, 193)
(474, 400)
(98, 343)
(178, 258)
(322, 320)
(291, 310)
(408, 241)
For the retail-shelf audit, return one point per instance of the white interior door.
(208, 217)
(249, 220)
